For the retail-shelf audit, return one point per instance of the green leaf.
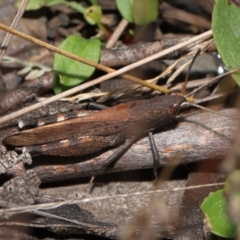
(57, 86)
(214, 207)
(232, 193)
(148, 10)
(72, 72)
(75, 5)
(125, 8)
(232, 181)
(93, 14)
(140, 12)
(226, 32)
(37, 4)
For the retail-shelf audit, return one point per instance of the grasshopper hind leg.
(118, 153)
(77, 146)
(114, 157)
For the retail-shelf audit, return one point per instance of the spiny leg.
(118, 153)
(115, 156)
(91, 105)
(156, 157)
(75, 146)
(98, 106)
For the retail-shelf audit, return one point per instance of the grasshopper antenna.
(185, 104)
(183, 89)
(211, 81)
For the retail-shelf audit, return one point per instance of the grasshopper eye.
(173, 111)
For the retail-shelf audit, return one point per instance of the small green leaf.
(232, 181)
(37, 4)
(232, 193)
(214, 207)
(24, 70)
(57, 86)
(75, 5)
(140, 12)
(125, 8)
(148, 10)
(226, 32)
(93, 15)
(72, 72)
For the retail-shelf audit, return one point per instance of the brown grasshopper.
(122, 125)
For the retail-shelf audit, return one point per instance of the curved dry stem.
(112, 74)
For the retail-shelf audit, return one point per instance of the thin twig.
(44, 206)
(80, 59)
(117, 33)
(212, 81)
(14, 25)
(105, 77)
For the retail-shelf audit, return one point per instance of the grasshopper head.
(172, 102)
